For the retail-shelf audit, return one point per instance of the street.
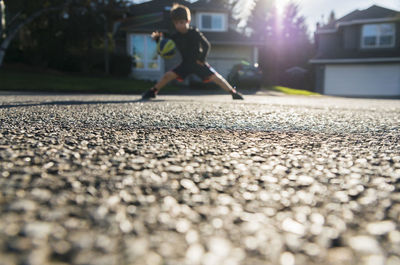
(110, 179)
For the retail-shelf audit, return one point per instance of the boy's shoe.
(151, 93)
(237, 95)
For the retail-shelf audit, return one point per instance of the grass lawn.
(68, 83)
(45, 82)
(292, 91)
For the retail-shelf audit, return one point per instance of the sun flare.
(280, 6)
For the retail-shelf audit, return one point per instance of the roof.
(207, 5)
(372, 13)
(154, 6)
(359, 55)
(164, 5)
(154, 15)
(231, 37)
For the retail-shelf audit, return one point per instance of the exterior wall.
(346, 42)
(327, 43)
(352, 37)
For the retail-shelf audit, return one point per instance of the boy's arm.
(205, 45)
(157, 35)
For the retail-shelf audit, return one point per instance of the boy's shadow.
(76, 102)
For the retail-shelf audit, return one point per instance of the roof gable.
(373, 12)
(208, 5)
(155, 6)
(161, 5)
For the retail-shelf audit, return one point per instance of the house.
(228, 47)
(359, 54)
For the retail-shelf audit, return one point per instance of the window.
(212, 22)
(378, 36)
(144, 52)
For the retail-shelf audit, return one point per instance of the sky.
(313, 10)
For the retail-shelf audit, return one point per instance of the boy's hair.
(180, 12)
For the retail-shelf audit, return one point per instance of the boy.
(194, 48)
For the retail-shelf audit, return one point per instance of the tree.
(109, 11)
(18, 13)
(105, 12)
(258, 20)
(69, 38)
(285, 38)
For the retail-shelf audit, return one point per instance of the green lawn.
(44, 82)
(292, 91)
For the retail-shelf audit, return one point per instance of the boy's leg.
(220, 80)
(152, 92)
(168, 77)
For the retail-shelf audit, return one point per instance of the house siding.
(346, 44)
(327, 43)
(351, 37)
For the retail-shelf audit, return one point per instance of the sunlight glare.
(280, 6)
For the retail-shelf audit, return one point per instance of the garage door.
(363, 80)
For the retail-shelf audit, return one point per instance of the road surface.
(199, 180)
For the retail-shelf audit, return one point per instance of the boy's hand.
(200, 62)
(156, 35)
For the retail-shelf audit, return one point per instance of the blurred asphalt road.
(105, 179)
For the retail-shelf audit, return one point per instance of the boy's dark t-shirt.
(192, 45)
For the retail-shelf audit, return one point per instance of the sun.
(280, 6)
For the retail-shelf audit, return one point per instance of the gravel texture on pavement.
(199, 180)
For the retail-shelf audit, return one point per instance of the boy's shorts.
(203, 71)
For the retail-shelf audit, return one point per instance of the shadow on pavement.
(75, 102)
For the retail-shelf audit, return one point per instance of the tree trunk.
(106, 51)
(2, 21)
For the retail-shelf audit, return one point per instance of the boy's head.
(180, 12)
(180, 16)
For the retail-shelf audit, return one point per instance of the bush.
(120, 64)
(76, 61)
